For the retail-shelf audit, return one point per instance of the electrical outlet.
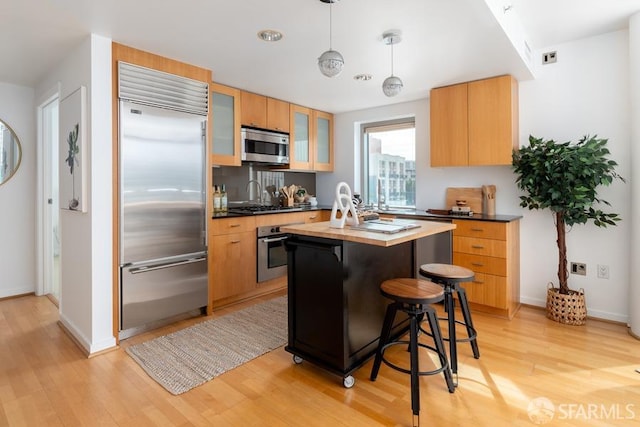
(549, 57)
(579, 268)
(603, 271)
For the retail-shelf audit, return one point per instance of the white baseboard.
(6, 293)
(594, 314)
(89, 348)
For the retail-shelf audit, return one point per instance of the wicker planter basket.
(569, 309)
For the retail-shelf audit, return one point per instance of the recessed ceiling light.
(363, 77)
(270, 35)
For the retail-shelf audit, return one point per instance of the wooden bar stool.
(449, 277)
(413, 297)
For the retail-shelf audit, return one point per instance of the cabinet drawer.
(316, 216)
(487, 289)
(482, 229)
(481, 264)
(472, 245)
(232, 225)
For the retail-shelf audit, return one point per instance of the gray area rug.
(194, 355)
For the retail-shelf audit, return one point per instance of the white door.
(50, 237)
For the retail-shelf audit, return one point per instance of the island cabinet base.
(335, 306)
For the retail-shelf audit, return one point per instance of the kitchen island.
(335, 306)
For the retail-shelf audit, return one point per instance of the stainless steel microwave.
(264, 146)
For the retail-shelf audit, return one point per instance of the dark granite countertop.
(420, 214)
(406, 213)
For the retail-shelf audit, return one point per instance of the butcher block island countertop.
(323, 230)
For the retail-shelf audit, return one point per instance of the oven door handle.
(276, 239)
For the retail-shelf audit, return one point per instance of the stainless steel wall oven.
(272, 256)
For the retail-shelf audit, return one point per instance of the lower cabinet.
(233, 255)
(232, 241)
(492, 251)
(232, 271)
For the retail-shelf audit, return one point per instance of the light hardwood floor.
(586, 372)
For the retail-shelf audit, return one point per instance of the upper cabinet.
(323, 150)
(310, 131)
(311, 140)
(300, 150)
(264, 112)
(278, 115)
(474, 123)
(225, 106)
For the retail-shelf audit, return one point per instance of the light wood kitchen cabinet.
(253, 109)
(311, 140)
(315, 216)
(474, 123)
(300, 150)
(225, 124)
(232, 255)
(278, 115)
(264, 112)
(323, 144)
(293, 217)
(492, 251)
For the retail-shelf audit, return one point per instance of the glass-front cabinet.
(323, 156)
(300, 147)
(311, 140)
(225, 123)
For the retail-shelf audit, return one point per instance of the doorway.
(49, 240)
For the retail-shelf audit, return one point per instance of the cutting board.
(472, 195)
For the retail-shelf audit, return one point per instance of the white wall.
(86, 278)
(17, 196)
(586, 91)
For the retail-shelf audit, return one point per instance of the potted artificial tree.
(563, 177)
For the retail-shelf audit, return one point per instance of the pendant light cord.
(330, 25)
(392, 57)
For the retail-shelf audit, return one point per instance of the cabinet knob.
(234, 241)
(477, 264)
(477, 247)
(234, 225)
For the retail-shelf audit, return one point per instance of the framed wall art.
(73, 151)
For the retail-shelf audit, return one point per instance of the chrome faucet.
(259, 190)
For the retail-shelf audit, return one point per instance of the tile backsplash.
(236, 180)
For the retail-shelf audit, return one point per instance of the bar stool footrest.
(407, 371)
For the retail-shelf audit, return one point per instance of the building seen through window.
(389, 166)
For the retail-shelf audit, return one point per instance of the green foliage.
(74, 149)
(564, 177)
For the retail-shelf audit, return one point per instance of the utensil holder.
(490, 208)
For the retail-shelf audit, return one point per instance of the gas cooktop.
(262, 209)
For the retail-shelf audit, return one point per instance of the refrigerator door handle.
(144, 269)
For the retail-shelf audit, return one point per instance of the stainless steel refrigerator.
(163, 251)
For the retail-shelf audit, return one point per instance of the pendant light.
(331, 61)
(392, 85)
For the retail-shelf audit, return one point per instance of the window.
(389, 166)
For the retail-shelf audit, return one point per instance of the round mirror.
(10, 152)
